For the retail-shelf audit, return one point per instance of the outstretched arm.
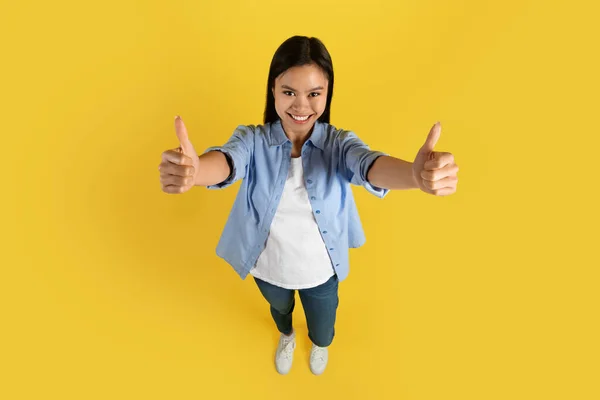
(392, 173)
(225, 165)
(432, 172)
(214, 169)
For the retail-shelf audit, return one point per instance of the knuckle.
(428, 175)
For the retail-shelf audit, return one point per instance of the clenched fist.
(179, 167)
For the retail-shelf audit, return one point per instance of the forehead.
(303, 77)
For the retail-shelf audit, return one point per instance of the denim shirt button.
(318, 211)
(313, 198)
(309, 181)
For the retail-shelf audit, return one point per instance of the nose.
(301, 104)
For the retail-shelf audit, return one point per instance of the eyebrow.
(311, 90)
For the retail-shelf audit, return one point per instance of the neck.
(297, 137)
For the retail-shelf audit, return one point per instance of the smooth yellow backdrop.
(111, 289)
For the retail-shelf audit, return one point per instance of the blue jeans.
(320, 306)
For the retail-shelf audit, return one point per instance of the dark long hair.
(298, 51)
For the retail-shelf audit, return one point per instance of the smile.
(300, 118)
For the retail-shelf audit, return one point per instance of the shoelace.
(319, 354)
(287, 348)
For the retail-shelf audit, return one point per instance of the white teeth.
(300, 118)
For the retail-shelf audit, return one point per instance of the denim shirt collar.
(317, 137)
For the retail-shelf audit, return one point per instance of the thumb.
(182, 135)
(432, 138)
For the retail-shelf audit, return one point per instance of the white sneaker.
(285, 353)
(318, 359)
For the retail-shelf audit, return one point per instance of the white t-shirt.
(295, 256)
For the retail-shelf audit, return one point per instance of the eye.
(287, 91)
(315, 93)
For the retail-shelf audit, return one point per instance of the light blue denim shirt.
(332, 159)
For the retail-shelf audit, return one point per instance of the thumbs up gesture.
(179, 167)
(435, 172)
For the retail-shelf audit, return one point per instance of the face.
(300, 98)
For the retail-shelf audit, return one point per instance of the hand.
(180, 166)
(435, 172)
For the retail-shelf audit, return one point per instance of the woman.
(294, 217)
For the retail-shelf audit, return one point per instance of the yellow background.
(111, 289)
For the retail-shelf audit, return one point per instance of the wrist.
(415, 178)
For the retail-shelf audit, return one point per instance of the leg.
(320, 306)
(281, 302)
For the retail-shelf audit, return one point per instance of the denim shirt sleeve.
(238, 149)
(356, 158)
